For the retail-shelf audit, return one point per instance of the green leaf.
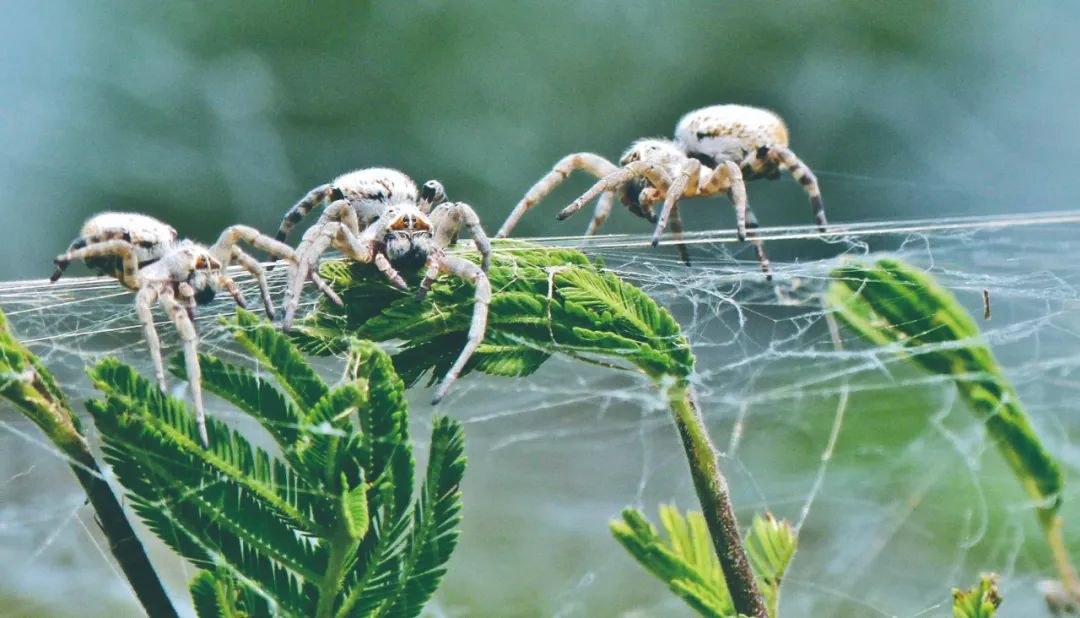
(242, 388)
(327, 527)
(898, 306)
(384, 422)
(218, 595)
(211, 600)
(980, 601)
(275, 351)
(687, 562)
(544, 301)
(330, 448)
(770, 545)
(356, 509)
(438, 513)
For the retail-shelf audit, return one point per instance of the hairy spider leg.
(654, 172)
(759, 245)
(224, 281)
(317, 240)
(61, 266)
(684, 185)
(785, 158)
(447, 220)
(600, 215)
(190, 340)
(253, 266)
(592, 163)
(728, 178)
(367, 248)
(144, 302)
(650, 196)
(467, 271)
(314, 244)
(677, 233)
(115, 247)
(187, 292)
(319, 195)
(338, 216)
(225, 250)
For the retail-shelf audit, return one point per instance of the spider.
(145, 256)
(377, 216)
(716, 150)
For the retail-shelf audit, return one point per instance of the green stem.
(712, 491)
(1054, 529)
(342, 547)
(35, 397)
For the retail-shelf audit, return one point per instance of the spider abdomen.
(148, 236)
(729, 132)
(371, 191)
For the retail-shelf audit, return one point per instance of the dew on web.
(895, 488)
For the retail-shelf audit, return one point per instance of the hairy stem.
(712, 491)
(33, 395)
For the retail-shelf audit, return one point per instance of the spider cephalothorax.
(146, 257)
(715, 150)
(379, 217)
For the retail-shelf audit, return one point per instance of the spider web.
(896, 490)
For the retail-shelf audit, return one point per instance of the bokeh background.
(208, 114)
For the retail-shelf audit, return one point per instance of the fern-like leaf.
(267, 345)
(770, 546)
(545, 301)
(302, 533)
(687, 563)
(434, 534)
(278, 413)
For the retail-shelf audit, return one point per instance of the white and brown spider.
(146, 257)
(716, 150)
(377, 216)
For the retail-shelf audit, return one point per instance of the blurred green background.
(206, 114)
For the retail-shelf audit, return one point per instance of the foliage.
(325, 524)
(690, 568)
(26, 383)
(980, 601)
(895, 305)
(544, 301)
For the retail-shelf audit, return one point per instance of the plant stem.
(34, 397)
(1055, 537)
(341, 547)
(712, 491)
